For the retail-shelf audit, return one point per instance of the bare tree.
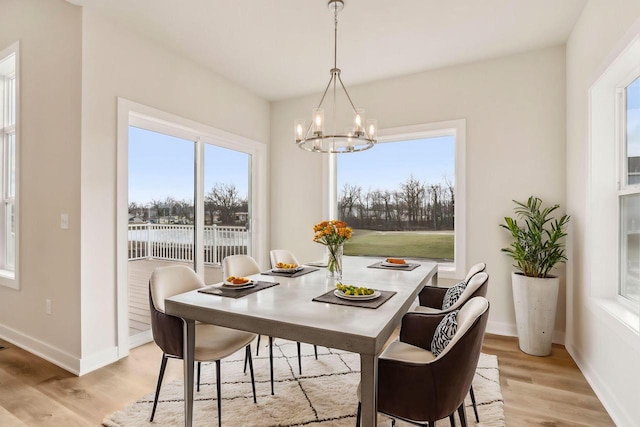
(349, 200)
(413, 192)
(226, 200)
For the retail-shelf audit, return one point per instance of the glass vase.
(334, 261)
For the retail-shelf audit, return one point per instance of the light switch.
(64, 221)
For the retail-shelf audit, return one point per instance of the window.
(405, 196)
(8, 166)
(629, 192)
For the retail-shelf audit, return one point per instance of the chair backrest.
(239, 265)
(476, 287)
(172, 280)
(433, 389)
(475, 269)
(468, 314)
(166, 282)
(282, 255)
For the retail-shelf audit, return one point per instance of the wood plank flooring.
(538, 391)
(138, 273)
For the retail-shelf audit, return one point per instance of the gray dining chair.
(244, 265)
(435, 300)
(212, 343)
(287, 257)
(425, 374)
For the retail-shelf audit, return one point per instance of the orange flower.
(332, 233)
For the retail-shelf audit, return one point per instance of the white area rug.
(324, 395)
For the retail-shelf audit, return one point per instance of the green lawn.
(407, 244)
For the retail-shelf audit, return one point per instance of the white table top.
(287, 310)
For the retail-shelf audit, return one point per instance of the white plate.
(249, 284)
(341, 294)
(287, 270)
(393, 264)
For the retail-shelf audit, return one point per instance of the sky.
(387, 165)
(162, 165)
(633, 118)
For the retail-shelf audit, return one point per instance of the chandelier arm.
(347, 93)
(326, 90)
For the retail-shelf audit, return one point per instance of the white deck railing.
(175, 242)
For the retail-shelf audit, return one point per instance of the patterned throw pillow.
(444, 332)
(452, 295)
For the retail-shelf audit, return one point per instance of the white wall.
(117, 63)
(606, 351)
(515, 112)
(50, 55)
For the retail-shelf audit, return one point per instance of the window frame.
(457, 129)
(623, 187)
(140, 115)
(9, 275)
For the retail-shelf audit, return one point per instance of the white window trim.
(11, 279)
(132, 113)
(606, 185)
(457, 128)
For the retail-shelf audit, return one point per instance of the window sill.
(8, 279)
(621, 313)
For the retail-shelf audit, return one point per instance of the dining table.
(288, 310)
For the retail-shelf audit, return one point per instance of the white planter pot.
(535, 301)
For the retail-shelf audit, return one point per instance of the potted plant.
(537, 248)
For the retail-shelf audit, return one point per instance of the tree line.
(221, 205)
(415, 205)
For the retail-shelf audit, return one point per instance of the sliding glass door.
(170, 179)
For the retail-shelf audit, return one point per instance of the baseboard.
(140, 339)
(98, 360)
(617, 413)
(510, 330)
(41, 349)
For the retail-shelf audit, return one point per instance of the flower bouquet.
(333, 234)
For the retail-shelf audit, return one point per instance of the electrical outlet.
(48, 306)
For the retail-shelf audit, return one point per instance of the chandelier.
(360, 135)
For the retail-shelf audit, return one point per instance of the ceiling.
(284, 48)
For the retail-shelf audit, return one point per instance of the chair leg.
(198, 386)
(299, 358)
(358, 414)
(452, 420)
(253, 381)
(473, 400)
(163, 365)
(462, 415)
(315, 351)
(219, 390)
(271, 362)
(393, 422)
(258, 346)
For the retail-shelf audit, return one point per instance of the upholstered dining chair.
(212, 343)
(441, 300)
(244, 265)
(432, 299)
(424, 376)
(287, 257)
(282, 255)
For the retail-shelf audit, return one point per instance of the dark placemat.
(384, 267)
(305, 270)
(372, 303)
(236, 293)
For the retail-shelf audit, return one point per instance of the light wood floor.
(538, 391)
